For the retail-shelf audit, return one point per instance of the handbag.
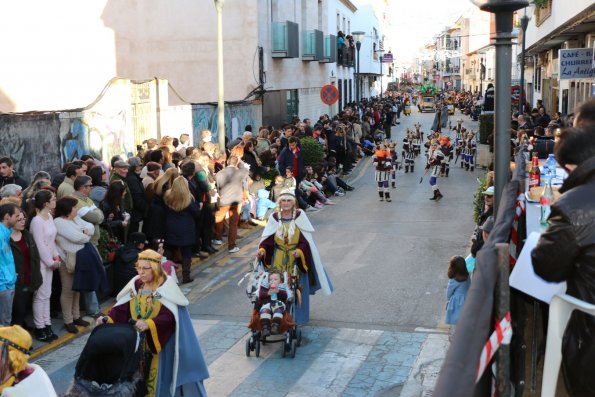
(70, 262)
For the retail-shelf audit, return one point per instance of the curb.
(197, 263)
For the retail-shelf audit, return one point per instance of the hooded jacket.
(8, 274)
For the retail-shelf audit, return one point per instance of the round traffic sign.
(329, 94)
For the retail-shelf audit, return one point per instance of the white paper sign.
(524, 279)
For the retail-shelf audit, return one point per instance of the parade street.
(381, 332)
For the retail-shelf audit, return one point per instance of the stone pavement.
(330, 362)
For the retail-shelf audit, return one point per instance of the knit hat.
(153, 166)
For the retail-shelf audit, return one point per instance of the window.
(292, 104)
(537, 78)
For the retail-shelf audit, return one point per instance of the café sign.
(576, 63)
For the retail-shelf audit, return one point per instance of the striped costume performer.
(384, 167)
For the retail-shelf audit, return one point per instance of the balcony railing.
(346, 57)
(286, 42)
(330, 49)
(313, 45)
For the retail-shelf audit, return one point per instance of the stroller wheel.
(284, 349)
(248, 347)
(298, 336)
(293, 348)
(257, 348)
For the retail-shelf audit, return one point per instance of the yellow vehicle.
(451, 107)
(427, 104)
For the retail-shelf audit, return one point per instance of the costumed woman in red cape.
(157, 306)
(287, 239)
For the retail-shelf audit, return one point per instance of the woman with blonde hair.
(262, 141)
(17, 376)
(156, 215)
(157, 307)
(181, 214)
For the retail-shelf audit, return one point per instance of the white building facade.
(564, 28)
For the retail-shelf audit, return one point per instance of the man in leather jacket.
(566, 252)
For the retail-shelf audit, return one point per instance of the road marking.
(233, 367)
(332, 370)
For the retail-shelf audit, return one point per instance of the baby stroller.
(289, 333)
(109, 364)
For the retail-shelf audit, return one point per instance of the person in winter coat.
(137, 192)
(73, 233)
(292, 156)
(115, 217)
(181, 212)
(44, 232)
(126, 258)
(26, 262)
(566, 252)
(8, 174)
(156, 214)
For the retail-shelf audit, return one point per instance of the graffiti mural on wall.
(31, 141)
(73, 137)
(108, 135)
(205, 116)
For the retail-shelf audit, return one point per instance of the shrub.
(478, 199)
(486, 127)
(313, 151)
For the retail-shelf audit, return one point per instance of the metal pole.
(220, 101)
(381, 76)
(358, 93)
(524, 24)
(502, 113)
(502, 308)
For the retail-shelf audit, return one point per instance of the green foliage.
(102, 247)
(541, 3)
(313, 151)
(269, 177)
(478, 198)
(486, 127)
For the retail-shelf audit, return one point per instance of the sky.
(413, 23)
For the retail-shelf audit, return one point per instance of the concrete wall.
(66, 50)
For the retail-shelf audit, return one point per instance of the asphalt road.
(380, 333)
(387, 261)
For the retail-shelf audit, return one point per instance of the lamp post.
(503, 10)
(524, 24)
(380, 55)
(481, 76)
(358, 37)
(220, 101)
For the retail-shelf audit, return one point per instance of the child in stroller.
(273, 295)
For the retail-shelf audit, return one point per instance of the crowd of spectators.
(179, 199)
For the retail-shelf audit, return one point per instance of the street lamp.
(358, 37)
(524, 24)
(220, 102)
(381, 56)
(482, 76)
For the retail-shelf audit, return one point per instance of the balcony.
(330, 49)
(313, 45)
(346, 57)
(286, 42)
